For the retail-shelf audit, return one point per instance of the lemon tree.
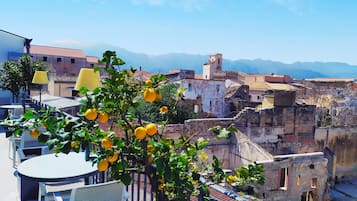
(111, 126)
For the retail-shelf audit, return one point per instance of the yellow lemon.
(74, 144)
(103, 165)
(140, 133)
(158, 96)
(149, 148)
(164, 109)
(107, 143)
(160, 187)
(34, 133)
(103, 117)
(91, 114)
(149, 95)
(231, 179)
(150, 159)
(113, 158)
(151, 129)
(148, 83)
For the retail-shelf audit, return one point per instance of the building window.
(258, 97)
(92, 65)
(195, 109)
(73, 61)
(307, 196)
(59, 59)
(298, 180)
(284, 178)
(217, 88)
(44, 58)
(189, 87)
(314, 183)
(210, 105)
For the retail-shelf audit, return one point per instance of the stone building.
(207, 96)
(64, 65)
(281, 138)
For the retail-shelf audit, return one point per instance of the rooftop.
(57, 51)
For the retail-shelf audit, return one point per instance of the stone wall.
(280, 130)
(343, 142)
(305, 173)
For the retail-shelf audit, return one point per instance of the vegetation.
(17, 76)
(246, 177)
(171, 97)
(111, 124)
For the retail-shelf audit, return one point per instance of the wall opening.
(284, 178)
(298, 180)
(189, 87)
(314, 183)
(307, 196)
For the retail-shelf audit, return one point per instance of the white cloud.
(298, 7)
(66, 42)
(186, 5)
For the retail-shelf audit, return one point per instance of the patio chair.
(30, 147)
(46, 189)
(109, 191)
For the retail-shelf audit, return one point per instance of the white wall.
(211, 92)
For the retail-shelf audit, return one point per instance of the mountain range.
(166, 62)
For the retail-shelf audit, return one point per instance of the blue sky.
(280, 30)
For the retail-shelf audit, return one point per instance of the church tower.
(213, 65)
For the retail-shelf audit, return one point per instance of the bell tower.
(214, 64)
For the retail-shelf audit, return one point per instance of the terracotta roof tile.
(198, 76)
(92, 59)
(57, 51)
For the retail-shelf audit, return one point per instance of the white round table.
(51, 168)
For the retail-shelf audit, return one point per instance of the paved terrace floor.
(8, 182)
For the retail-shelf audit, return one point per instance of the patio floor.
(8, 182)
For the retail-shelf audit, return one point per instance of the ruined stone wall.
(343, 142)
(301, 171)
(280, 130)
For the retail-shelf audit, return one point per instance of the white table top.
(56, 167)
(11, 106)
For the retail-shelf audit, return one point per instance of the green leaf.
(223, 134)
(51, 143)
(126, 179)
(65, 147)
(43, 137)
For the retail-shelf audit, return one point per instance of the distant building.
(213, 65)
(64, 65)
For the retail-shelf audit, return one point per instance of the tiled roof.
(270, 86)
(198, 76)
(285, 87)
(92, 59)
(258, 86)
(56, 51)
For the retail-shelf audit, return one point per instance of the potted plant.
(120, 141)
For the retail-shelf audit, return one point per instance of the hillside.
(164, 63)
